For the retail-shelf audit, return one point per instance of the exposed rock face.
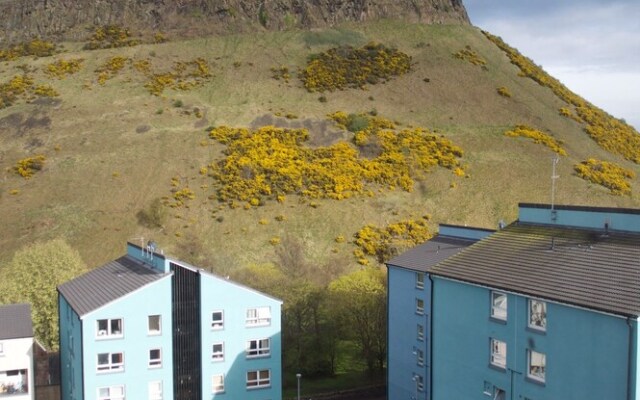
(71, 19)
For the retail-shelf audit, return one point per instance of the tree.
(32, 277)
(360, 300)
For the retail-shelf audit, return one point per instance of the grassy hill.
(111, 150)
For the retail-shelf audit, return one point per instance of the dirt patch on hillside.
(321, 132)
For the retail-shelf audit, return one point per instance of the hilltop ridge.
(70, 20)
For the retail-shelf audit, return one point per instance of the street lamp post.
(298, 376)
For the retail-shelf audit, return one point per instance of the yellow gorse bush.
(469, 55)
(538, 137)
(62, 68)
(184, 76)
(270, 162)
(110, 68)
(22, 87)
(347, 67)
(36, 47)
(503, 91)
(613, 135)
(607, 174)
(109, 37)
(384, 243)
(29, 166)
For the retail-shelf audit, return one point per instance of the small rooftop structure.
(15, 321)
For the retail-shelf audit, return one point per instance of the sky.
(592, 46)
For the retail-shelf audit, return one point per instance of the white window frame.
(217, 383)
(419, 306)
(259, 381)
(419, 280)
(256, 348)
(499, 309)
(110, 366)
(538, 317)
(154, 393)
(108, 333)
(258, 316)
(420, 357)
(420, 332)
(155, 362)
(498, 359)
(110, 396)
(419, 380)
(217, 324)
(536, 376)
(217, 355)
(153, 332)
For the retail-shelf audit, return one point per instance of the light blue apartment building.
(146, 326)
(409, 310)
(546, 308)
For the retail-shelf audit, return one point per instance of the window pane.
(154, 323)
(537, 365)
(116, 326)
(103, 325)
(252, 375)
(499, 305)
(538, 314)
(103, 358)
(116, 358)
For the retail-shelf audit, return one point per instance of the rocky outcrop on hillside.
(72, 19)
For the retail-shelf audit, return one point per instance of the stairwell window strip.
(498, 353)
(110, 362)
(499, 305)
(260, 316)
(537, 315)
(109, 328)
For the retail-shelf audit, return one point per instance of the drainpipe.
(629, 359)
(430, 342)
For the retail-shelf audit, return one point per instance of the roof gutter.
(630, 360)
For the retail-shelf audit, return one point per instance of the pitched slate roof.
(585, 267)
(431, 252)
(15, 321)
(105, 284)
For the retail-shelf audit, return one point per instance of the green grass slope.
(111, 150)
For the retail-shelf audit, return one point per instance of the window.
(537, 366)
(14, 381)
(109, 328)
(499, 394)
(154, 325)
(419, 306)
(258, 348)
(155, 358)
(259, 316)
(499, 305)
(419, 280)
(419, 380)
(537, 314)
(155, 390)
(110, 362)
(420, 357)
(258, 379)
(487, 389)
(217, 383)
(498, 353)
(217, 319)
(111, 393)
(1, 349)
(420, 332)
(217, 353)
